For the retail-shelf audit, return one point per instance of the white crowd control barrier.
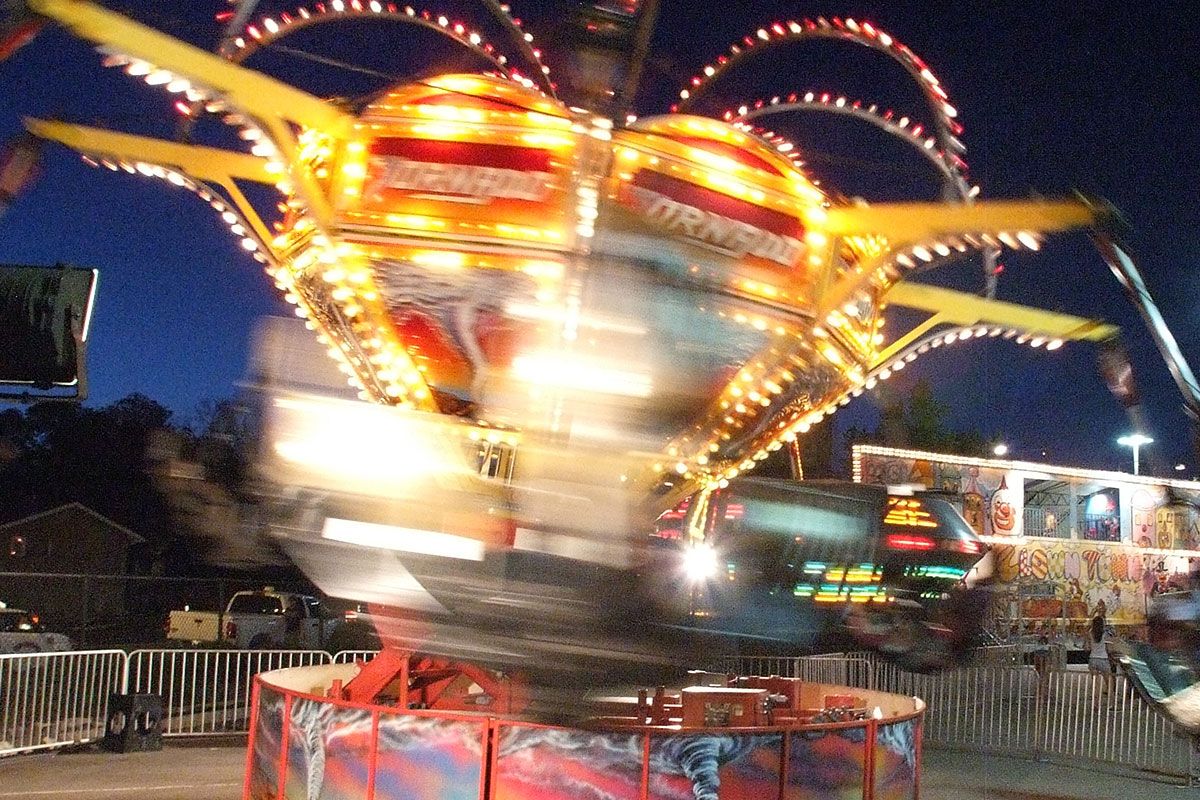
(348, 656)
(55, 699)
(207, 692)
(52, 700)
(1065, 715)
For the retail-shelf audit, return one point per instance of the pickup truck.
(256, 620)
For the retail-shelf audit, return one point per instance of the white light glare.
(700, 562)
(1135, 440)
(408, 540)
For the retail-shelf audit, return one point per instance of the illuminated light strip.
(801, 421)
(394, 377)
(361, 303)
(1100, 476)
(950, 163)
(926, 255)
(742, 401)
(908, 519)
(268, 29)
(908, 513)
(901, 541)
(848, 30)
(282, 271)
(857, 576)
(858, 594)
(238, 225)
(260, 142)
(935, 571)
(405, 540)
(152, 75)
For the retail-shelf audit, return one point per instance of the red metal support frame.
(785, 755)
(645, 793)
(869, 760)
(375, 675)
(491, 753)
(920, 733)
(434, 683)
(254, 688)
(285, 732)
(373, 756)
(405, 680)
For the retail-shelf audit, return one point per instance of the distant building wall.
(68, 539)
(1062, 542)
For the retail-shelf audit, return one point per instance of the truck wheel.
(260, 642)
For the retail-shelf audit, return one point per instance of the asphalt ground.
(215, 773)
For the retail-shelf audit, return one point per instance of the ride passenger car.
(788, 565)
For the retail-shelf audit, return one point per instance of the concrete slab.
(175, 773)
(950, 775)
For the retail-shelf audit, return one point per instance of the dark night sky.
(1054, 96)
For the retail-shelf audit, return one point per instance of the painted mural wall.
(993, 500)
(1081, 571)
(421, 757)
(1084, 573)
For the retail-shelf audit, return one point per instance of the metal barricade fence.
(208, 691)
(764, 666)
(1066, 715)
(55, 699)
(347, 656)
(848, 669)
(1087, 719)
(987, 708)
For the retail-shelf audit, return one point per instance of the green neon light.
(935, 571)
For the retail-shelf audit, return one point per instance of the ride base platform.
(419, 728)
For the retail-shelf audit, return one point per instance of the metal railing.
(838, 668)
(1060, 715)
(207, 692)
(50, 700)
(54, 699)
(348, 656)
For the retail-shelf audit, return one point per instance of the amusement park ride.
(568, 321)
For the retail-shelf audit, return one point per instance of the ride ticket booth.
(1063, 538)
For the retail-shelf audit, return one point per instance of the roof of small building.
(74, 507)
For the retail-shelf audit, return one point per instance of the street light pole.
(1135, 441)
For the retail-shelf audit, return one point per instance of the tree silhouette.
(54, 453)
(919, 421)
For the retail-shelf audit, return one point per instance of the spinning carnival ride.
(470, 245)
(642, 308)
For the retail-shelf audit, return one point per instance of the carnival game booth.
(752, 737)
(1063, 538)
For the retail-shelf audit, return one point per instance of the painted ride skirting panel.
(305, 746)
